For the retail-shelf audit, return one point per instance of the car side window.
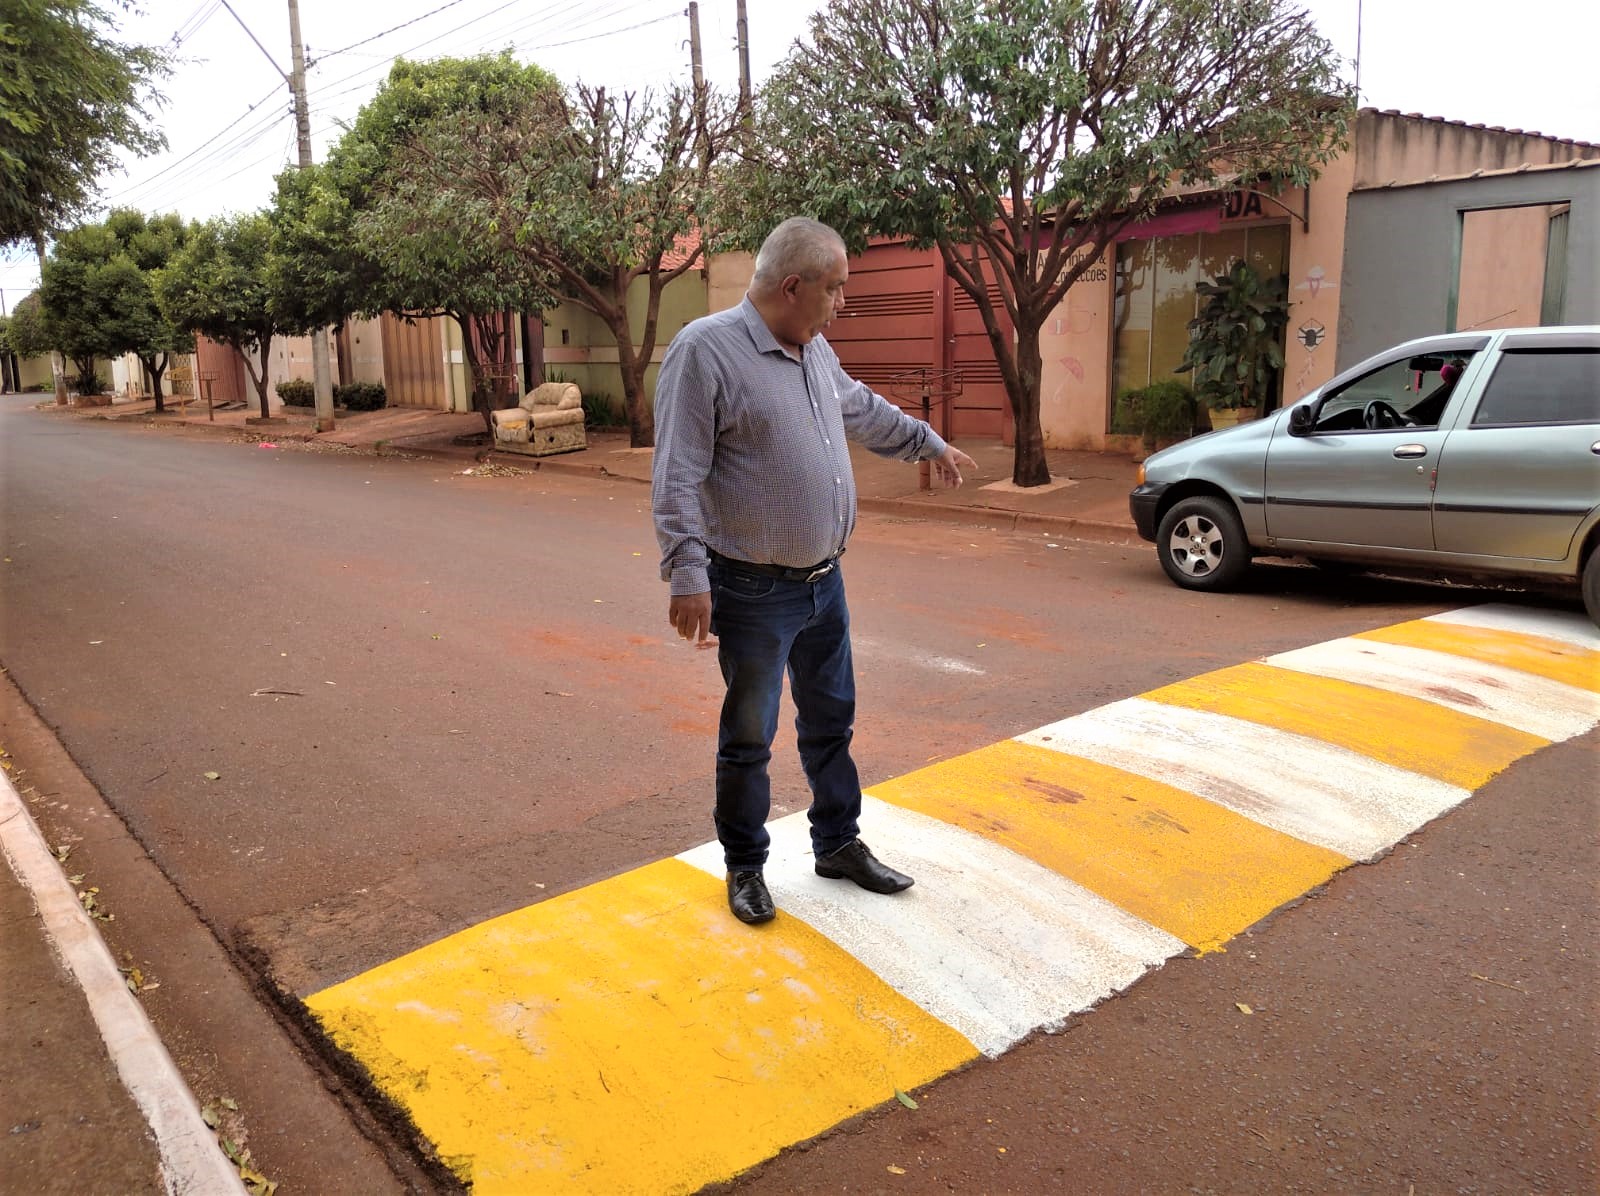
(1409, 393)
(1542, 386)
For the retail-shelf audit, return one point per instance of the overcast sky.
(229, 128)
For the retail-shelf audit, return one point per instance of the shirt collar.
(765, 342)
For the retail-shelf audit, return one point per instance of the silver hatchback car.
(1471, 454)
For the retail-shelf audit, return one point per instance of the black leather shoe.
(748, 898)
(854, 861)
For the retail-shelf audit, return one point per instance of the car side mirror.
(1300, 420)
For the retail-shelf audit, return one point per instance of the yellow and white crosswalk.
(633, 1037)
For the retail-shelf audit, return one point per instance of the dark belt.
(781, 572)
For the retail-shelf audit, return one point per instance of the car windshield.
(1411, 393)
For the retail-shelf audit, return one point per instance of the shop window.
(1156, 298)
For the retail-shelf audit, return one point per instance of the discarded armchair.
(548, 420)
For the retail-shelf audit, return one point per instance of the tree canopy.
(71, 97)
(592, 191)
(226, 283)
(99, 290)
(1020, 137)
(359, 238)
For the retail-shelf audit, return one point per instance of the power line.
(171, 166)
(385, 33)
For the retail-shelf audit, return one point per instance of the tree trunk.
(155, 371)
(632, 366)
(1029, 467)
(259, 379)
(473, 329)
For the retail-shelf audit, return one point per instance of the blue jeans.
(763, 626)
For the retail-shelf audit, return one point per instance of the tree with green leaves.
(1020, 137)
(99, 289)
(359, 238)
(226, 282)
(26, 332)
(595, 191)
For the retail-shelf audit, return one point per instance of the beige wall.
(366, 350)
(1316, 263)
(1394, 148)
(727, 279)
(589, 357)
(1075, 345)
(35, 372)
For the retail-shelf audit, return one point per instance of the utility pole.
(744, 60)
(58, 369)
(699, 82)
(322, 381)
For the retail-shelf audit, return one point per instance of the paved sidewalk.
(1087, 496)
(66, 1122)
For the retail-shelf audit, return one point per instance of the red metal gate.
(902, 313)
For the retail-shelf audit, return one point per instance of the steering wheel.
(1379, 414)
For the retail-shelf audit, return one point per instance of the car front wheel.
(1202, 544)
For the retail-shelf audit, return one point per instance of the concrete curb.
(191, 1161)
(1067, 526)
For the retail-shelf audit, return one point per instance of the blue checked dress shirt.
(751, 459)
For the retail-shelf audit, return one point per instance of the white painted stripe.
(1537, 705)
(986, 941)
(1315, 791)
(1567, 626)
(866, 646)
(191, 1161)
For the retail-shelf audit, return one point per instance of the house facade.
(1124, 323)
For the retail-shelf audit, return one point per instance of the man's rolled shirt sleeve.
(686, 433)
(878, 425)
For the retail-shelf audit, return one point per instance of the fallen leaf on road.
(213, 776)
(92, 642)
(893, 1170)
(209, 1116)
(228, 1102)
(1242, 1007)
(904, 1099)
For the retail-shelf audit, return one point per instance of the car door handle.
(1408, 451)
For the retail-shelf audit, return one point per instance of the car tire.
(1202, 545)
(1591, 585)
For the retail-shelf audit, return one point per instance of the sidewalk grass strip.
(1549, 709)
(1314, 791)
(1551, 659)
(1195, 869)
(987, 941)
(1396, 729)
(631, 1037)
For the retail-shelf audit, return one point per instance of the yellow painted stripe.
(1554, 660)
(1424, 737)
(1195, 869)
(631, 1037)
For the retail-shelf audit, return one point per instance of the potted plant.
(1236, 342)
(1163, 411)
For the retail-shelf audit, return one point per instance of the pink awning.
(1175, 224)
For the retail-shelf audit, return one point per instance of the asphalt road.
(427, 699)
